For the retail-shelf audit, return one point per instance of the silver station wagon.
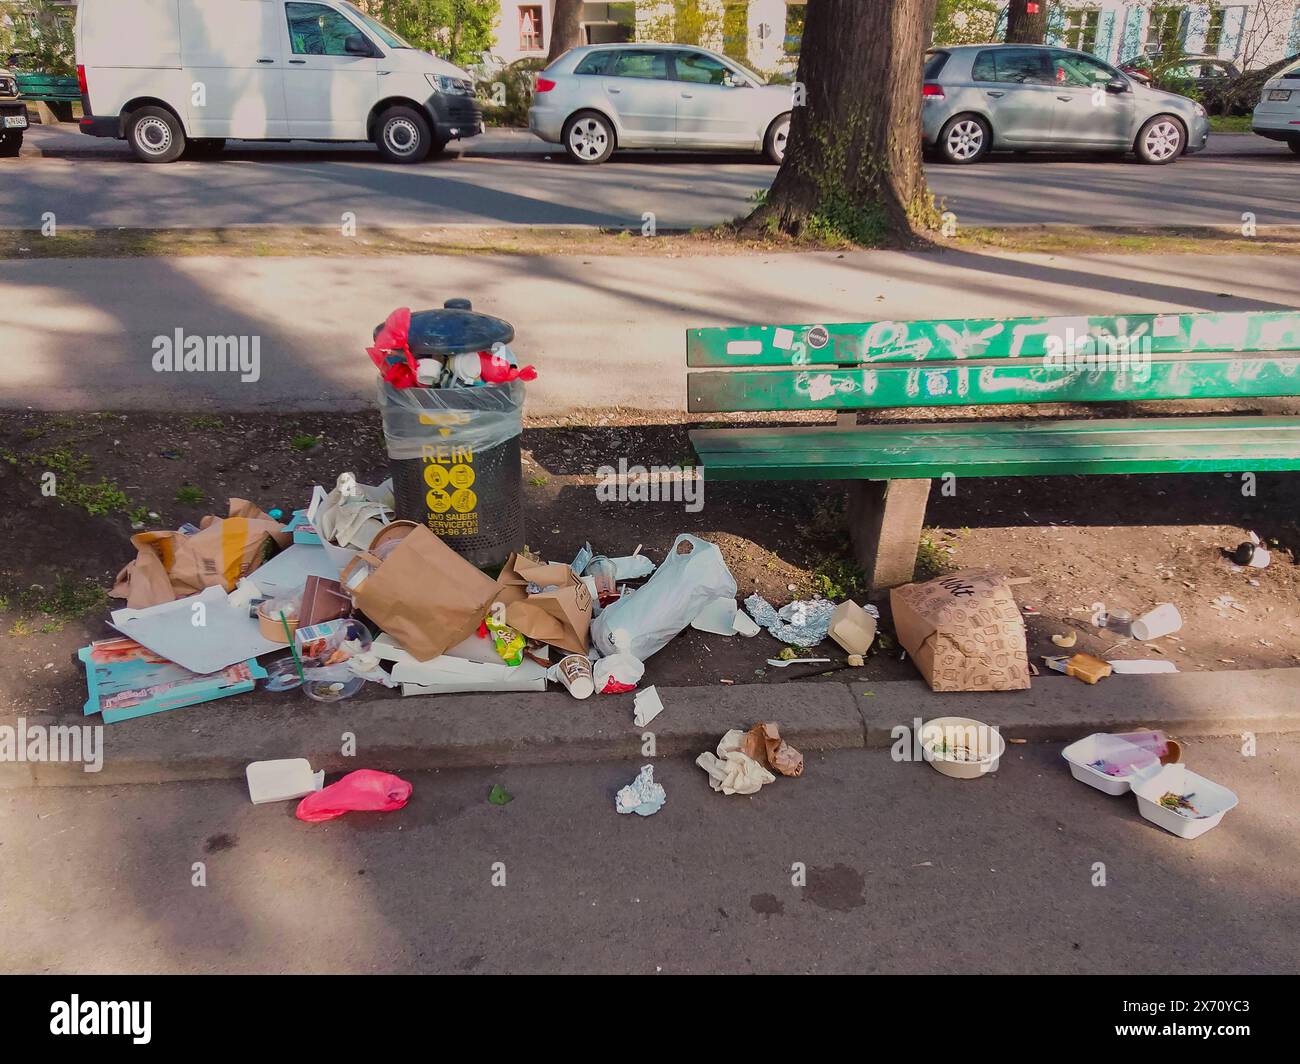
(1018, 97)
(596, 98)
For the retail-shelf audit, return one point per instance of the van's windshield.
(380, 30)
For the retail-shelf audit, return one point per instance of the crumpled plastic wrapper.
(733, 771)
(803, 623)
(764, 744)
(642, 796)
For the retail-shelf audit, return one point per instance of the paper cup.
(1163, 620)
(575, 672)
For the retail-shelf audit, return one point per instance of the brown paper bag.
(172, 565)
(423, 594)
(561, 617)
(763, 743)
(963, 631)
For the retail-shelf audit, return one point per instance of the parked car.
(13, 116)
(1206, 78)
(169, 74)
(1278, 114)
(1248, 90)
(597, 98)
(1016, 97)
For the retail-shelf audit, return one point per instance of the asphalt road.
(907, 871)
(511, 178)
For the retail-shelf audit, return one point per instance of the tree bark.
(566, 28)
(1024, 27)
(852, 169)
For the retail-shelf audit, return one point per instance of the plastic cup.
(1163, 620)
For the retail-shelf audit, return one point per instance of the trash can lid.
(455, 329)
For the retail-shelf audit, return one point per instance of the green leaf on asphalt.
(498, 795)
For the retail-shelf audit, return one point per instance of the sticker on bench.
(744, 347)
(783, 339)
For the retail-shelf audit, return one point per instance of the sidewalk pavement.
(604, 331)
(217, 740)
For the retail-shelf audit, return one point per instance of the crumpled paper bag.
(170, 565)
(732, 771)
(764, 744)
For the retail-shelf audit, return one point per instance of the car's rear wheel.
(11, 143)
(1294, 145)
(402, 135)
(778, 135)
(155, 135)
(1160, 140)
(964, 139)
(589, 137)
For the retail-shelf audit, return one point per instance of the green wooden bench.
(925, 364)
(58, 91)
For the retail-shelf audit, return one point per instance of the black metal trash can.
(454, 452)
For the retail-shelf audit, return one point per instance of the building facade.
(766, 34)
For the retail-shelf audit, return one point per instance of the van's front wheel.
(11, 143)
(155, 135)
(403, 135)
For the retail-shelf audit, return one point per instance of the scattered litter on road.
(961, 747)
(1067, 640)
(782, 663)
(642, 796)
(1083, 667)
(1252, 552)
(646, 705)
(498, 795)
(1161, 621)
(575, 672)
(731, 770)
(280, 781)
(1141, 666)
(362, 791)
(764, 744)
(853, 627)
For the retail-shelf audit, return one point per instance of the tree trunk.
(1024, 26)
(566, 28)
(852, 168)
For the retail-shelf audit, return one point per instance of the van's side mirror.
(355, 44)
(1117, 85)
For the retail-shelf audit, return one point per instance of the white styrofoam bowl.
(988, 743)
(1212, 800)
(1080, 755)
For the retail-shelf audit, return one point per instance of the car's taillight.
(932, 90)
(544, 84)
(81, 84)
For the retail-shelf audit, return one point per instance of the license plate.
(1279, 94)
(15, 121)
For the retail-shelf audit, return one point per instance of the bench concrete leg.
(885, 521)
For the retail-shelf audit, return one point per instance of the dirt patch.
(1126, 542)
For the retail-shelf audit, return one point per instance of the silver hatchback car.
(596, 98)
(1017, 97)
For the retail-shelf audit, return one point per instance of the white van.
(165, 75)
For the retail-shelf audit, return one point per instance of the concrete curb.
(219, 739)
(1057, 709)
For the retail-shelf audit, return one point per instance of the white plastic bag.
(692, 576)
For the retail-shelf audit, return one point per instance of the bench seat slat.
(873, 342)
(919, 451)
(1019, 381)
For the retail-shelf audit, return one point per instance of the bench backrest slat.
(994, 361)
(849, 344)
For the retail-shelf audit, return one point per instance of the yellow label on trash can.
(451, 502)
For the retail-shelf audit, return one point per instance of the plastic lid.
(456, 329)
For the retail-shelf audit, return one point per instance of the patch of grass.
(1230, 124)
(538, 482)
(304, 442)
(189, 495)
(206, 421)
(931, 559)
(1133, 240)
(48, 610)
(838, 578)
(69, 484)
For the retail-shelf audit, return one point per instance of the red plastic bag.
(365, 791)
(391, 352)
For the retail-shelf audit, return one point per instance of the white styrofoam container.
(1212, 800)
(1080, 755)
(988, 743)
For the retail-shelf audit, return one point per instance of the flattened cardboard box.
(964, 632)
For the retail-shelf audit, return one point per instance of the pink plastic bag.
(365, 791)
